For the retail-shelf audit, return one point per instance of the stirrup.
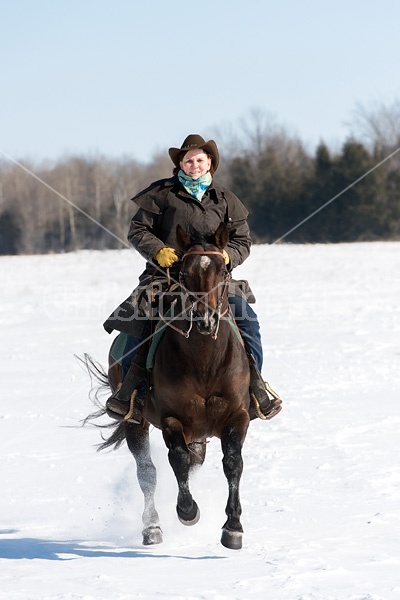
(275, 404)
(133, 415)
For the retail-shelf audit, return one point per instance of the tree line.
(292, 195)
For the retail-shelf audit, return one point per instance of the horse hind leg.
(138, 442)
(181, 462)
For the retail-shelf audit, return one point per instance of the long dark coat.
(160, 208)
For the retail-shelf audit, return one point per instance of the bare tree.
(378, 126)
(250, 136)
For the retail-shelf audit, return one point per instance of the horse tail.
(97, 374)
(116, 439)
(100, 386)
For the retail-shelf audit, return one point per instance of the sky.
(130, 79)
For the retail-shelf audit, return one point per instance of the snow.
(321, 483)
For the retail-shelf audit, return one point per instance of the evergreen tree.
(10, 233)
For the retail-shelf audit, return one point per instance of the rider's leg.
(249, 326)
(133, 365)
(247, 321)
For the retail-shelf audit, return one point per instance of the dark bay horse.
(200, 389)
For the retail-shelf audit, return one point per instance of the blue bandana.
(195, 187)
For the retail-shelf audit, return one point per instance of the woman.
(192, 199)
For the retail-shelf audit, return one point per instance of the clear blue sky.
(133, 77)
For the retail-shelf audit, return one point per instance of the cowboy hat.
(192, 142)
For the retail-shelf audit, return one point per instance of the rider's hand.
(166, 257)
(226, 257)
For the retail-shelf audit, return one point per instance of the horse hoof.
(189, 519)
(231, 539)
(152, 535)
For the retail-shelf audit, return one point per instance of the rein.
(190, 294)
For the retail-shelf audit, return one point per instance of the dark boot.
(262, 405)
(126, 403)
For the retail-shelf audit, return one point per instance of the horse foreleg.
(139, 444)
(180, 461)
(231, 442)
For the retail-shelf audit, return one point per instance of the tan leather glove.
(226, 257)
(166, 257)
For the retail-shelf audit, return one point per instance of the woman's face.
(195, 163)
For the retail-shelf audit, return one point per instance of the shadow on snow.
(32, 548)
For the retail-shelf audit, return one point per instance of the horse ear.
(182, 238)
(221, 236)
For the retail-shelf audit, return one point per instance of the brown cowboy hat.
(192, 142)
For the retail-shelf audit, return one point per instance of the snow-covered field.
(321, 484)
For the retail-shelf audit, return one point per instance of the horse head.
(204, 277)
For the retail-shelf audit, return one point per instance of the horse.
(200, 389)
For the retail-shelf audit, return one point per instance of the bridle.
(201, 297)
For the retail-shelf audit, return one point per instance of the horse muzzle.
(207, 322)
